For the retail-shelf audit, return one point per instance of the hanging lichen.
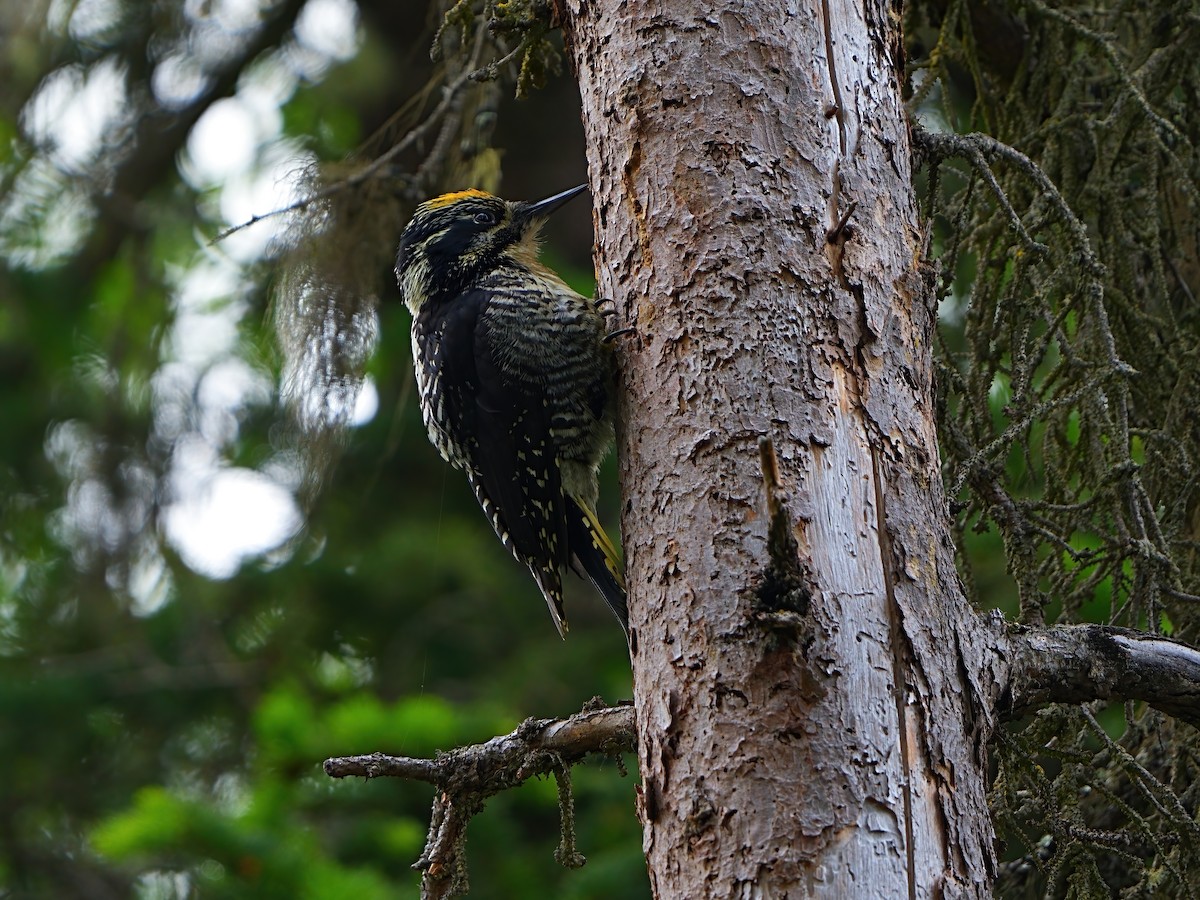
(326, 298)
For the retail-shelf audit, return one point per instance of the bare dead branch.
(467, 776)
(1080, 663)
(606, 730)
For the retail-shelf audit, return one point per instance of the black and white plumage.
(515, 380)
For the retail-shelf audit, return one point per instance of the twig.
(834, 233)
(566, 854)
(973, 147)
(443, 860)
(979, 148)
(1110, 53)
(449, 95)
(1157, 793)
(148, 154)
(467, 776)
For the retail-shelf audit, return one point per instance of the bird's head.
(453, 240)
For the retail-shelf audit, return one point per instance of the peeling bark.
(755, 225)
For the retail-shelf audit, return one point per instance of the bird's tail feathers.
(594, 554)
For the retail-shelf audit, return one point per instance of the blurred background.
(227, 550)
(188, 625)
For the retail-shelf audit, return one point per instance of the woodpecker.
(515, 378)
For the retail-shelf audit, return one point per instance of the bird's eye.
(485, 218)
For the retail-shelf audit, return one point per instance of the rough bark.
(755, 223)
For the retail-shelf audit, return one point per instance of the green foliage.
(258, 853)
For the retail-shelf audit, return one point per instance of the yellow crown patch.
(447, 199)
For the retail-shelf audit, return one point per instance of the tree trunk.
(755, 223)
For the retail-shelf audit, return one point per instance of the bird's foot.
(606, 306)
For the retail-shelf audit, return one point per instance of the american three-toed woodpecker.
(515, 381)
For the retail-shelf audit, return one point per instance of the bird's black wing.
(504, 426)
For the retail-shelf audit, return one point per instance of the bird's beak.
(542, 208)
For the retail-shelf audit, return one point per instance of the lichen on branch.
(467, 776)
